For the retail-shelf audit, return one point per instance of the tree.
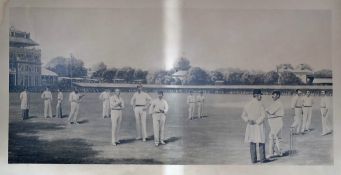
(98, 70)
(235, 78)
(109, 75)
(289, 78)
(99, 66)
(68, 67)
(271, 78)
(126, 73)
(197, 76)
(216, 76)
(156, 77)
(182, 64)
(140, 74)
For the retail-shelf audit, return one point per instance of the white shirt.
(24, 100)
(158, 105)
(190, 99)
(324, 102)
(74, 98)
(104, 96)
(307, 101)
(200, 99)
(46, 95)
(296, 102)
(116, 102)
(276, 109)
(140, 99)
(60, 97)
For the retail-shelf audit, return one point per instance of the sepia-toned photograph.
(188, 86)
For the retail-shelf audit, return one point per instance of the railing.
(25, 51)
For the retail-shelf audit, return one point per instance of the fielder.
(275, 113)
(24, 104)
(105, 97)
(158, 109)
(74, 99)
(140, 102)
(59, 112)
(47, 97)
(200, 101)
(116, 105)
(296, 105)
(254, 115)
(307, 102)
(324, 105)
(191, 105)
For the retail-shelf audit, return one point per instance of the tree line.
(192, 76)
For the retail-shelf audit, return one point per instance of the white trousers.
(200, 109)
(306, 121)
(276, 125)
(297, 119)
(116, 118)
(191, 108)
(47, 108)
(159, 120)
(106, 108)
(73, 112)
(141, 121)
(324, 117)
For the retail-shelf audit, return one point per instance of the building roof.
(18, 41)
(180, 73)
(19, 38)
(46, 72)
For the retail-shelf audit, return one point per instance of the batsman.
(275, 114)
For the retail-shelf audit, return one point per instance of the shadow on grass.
(172, 139)
(126, 141)
(25, 147)
(168, 140)
(83, 121)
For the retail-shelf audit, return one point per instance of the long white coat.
(105, 97)
(24, 99)
(254, 110)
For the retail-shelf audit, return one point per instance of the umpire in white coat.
(105, 97)
(191, 105)
(24, 104)
(254, 115)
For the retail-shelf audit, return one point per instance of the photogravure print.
(237, 87)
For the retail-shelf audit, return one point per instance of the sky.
(209, 38)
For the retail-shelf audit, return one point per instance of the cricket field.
(215, 139)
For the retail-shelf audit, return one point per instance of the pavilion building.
(24, 60)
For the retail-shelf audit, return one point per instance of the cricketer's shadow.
(172, 139)
(31, 117)
(168, 140)
(83, 121)
(286, 153)
(126, 141)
